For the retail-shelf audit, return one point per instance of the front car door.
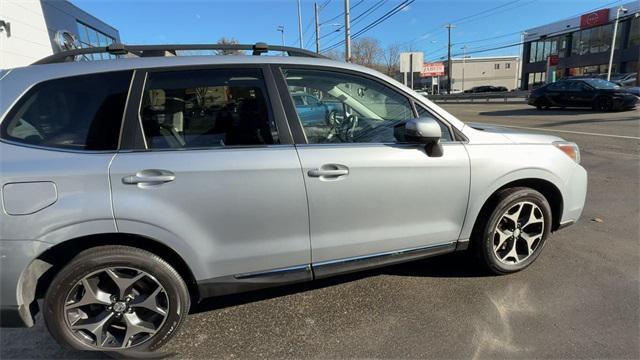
(369, 194)
(214, 174)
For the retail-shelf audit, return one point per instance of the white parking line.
(567, 131)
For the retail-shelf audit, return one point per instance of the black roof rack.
(161, 50)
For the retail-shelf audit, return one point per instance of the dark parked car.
(595, 93)
(486, 88)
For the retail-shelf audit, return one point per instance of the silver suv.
(134, 187)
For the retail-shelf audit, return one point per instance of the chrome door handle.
(149, 177)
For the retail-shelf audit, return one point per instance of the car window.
(446, 132)
(206, 108)
(354, 109)
(559, 85)
(78, 113)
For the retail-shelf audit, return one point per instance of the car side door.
(368, 193)
(208, 166)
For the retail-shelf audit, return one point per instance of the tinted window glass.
(79, 113)
(350, 108)
(206, 108)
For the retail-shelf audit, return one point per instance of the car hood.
(492, 133)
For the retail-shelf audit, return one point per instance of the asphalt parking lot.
(581, 299)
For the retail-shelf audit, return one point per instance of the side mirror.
(424, 131)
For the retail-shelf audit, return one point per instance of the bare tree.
(366, 51)
(391, 55)
(229, 41)
(335, 55)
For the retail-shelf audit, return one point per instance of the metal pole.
(449, 27)
(347, 33)
(464, 51)
(281, 29)
(613, 41)
(518, 81)
(300, 25)
(315, 6)
(411, 68)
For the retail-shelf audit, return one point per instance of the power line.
(374, 23)
(341, 14)
(465, 19)
(358, 18)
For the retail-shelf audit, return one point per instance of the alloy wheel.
(116, 308)
(518, 233)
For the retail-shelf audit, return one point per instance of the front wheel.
(604, 104)
(115, 298)
(515, 231)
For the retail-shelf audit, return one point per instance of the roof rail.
(159, 50)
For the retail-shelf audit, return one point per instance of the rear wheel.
(514, 233)
(115, 298)
(604, 104)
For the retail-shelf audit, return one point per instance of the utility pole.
(613, 41)
(300, 26)
(449, 27)
(464, 57)
(315, 7)
(518, 85)
(347, 33)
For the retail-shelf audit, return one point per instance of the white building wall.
(482, 71)
(34, 24)
(29, 40)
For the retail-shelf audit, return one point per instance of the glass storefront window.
(634, 32)
(532, 51)
(90, 37)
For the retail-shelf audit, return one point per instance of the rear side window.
(77, 113)
(207, 108)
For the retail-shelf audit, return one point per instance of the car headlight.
(570, 149)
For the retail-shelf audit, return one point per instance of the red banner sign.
(595, 18)
(432, 69)
(553, 60)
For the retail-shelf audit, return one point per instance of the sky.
(418, 26)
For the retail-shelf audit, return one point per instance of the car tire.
(109, 270)
(506, 246)
(604, 104)
(542, 104)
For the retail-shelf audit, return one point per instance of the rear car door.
(212, 168)
(368, 193)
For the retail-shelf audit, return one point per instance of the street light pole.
(518, 84)
(281, 29)
(300, 25)
(613, 41)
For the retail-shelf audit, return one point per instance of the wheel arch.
(41, 271)
(549, 190)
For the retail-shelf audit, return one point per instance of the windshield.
(601, 84)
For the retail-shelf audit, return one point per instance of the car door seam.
(113, 213)
(306, 192)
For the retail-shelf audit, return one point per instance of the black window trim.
(134, 140)
(19, 101)
(296, 125)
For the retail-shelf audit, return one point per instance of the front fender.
(494, 166)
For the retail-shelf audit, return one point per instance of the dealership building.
(582, 46)
(33, 29)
